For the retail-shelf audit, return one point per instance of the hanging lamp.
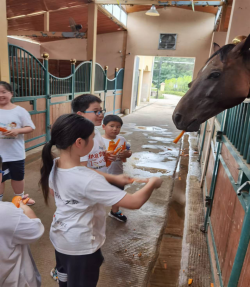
(152, 11)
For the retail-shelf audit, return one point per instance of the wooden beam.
(111, 16)
(4, 58)
(91, 42)
(223, 18)
(46, 21)
(163, 3)
(39, 33)
(43, 12)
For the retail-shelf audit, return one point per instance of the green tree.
(171, 68)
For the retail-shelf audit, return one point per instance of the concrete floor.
(131, 250)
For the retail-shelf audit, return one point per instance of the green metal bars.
(26, 73)
(32, 83)
(238, 129)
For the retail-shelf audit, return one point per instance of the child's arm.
(27, 210)
(120, 180)
(15, 132)
(125, 154)
(136, 200)
(29, 228)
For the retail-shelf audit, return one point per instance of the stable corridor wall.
(109, 51)
(194, 33)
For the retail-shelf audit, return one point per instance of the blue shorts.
(13, 170)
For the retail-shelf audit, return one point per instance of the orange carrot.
(119, 149)
(16, 200)
(3, 130)
(179, 136)
(116, 145)
(141, 180)
(111, 148)
(124, 148)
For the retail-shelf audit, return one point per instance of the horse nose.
(177, 118)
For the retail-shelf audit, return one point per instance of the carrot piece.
(179, 136)
(119, 149)
(3, 130)
(16, 200)
(190, 281)
(116, 145)
(25, 201)
(111, 148)
(141, 180)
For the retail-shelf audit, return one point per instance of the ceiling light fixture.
(152, 11)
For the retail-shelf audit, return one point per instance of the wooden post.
(105, 85)
(91, 41)
(73, 67)
(4, 56)
(47, 93)
(46, 22)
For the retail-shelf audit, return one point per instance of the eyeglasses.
(97, 113)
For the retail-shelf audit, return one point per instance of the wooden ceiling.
(58, 17)
(137, 8)
(19, 18)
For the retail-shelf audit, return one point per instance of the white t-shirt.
(17, 265)
(96, 158)
(12, 148)
(116, 167)
(79, 223)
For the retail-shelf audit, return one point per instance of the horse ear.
(216, 47)
(246, 45)
(243, 46)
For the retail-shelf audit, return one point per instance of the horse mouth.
(193, 126)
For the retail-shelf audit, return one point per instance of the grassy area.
(161, 94)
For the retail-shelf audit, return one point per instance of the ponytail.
(65, 131)
(47, 161)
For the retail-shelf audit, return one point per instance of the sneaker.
(118, 215)
(53, 274)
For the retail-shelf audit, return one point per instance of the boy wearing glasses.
(89, 107)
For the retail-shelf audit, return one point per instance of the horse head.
(222, 83)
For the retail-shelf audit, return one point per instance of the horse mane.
(223, 51)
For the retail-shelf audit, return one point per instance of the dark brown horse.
(223, 83)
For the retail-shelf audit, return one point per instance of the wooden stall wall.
(226, 210)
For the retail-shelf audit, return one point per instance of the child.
(89, 107)
(81, 194)
(17, 121)
(22, 227)
(112, 125)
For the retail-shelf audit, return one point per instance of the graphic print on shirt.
(97, 160)
(9, 126)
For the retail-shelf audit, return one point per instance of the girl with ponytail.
(81, 195)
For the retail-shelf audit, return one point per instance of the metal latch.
(240, 189)
(208, 201)
(219, 135)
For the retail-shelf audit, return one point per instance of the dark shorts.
(78, 270)
(13, 170)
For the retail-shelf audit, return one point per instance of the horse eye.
(214, 75)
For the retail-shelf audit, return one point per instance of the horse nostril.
(177, 118)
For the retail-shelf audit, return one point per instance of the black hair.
(65, 131)
(7, 86)
(112, 118)
(223, 51)
(82, 102)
